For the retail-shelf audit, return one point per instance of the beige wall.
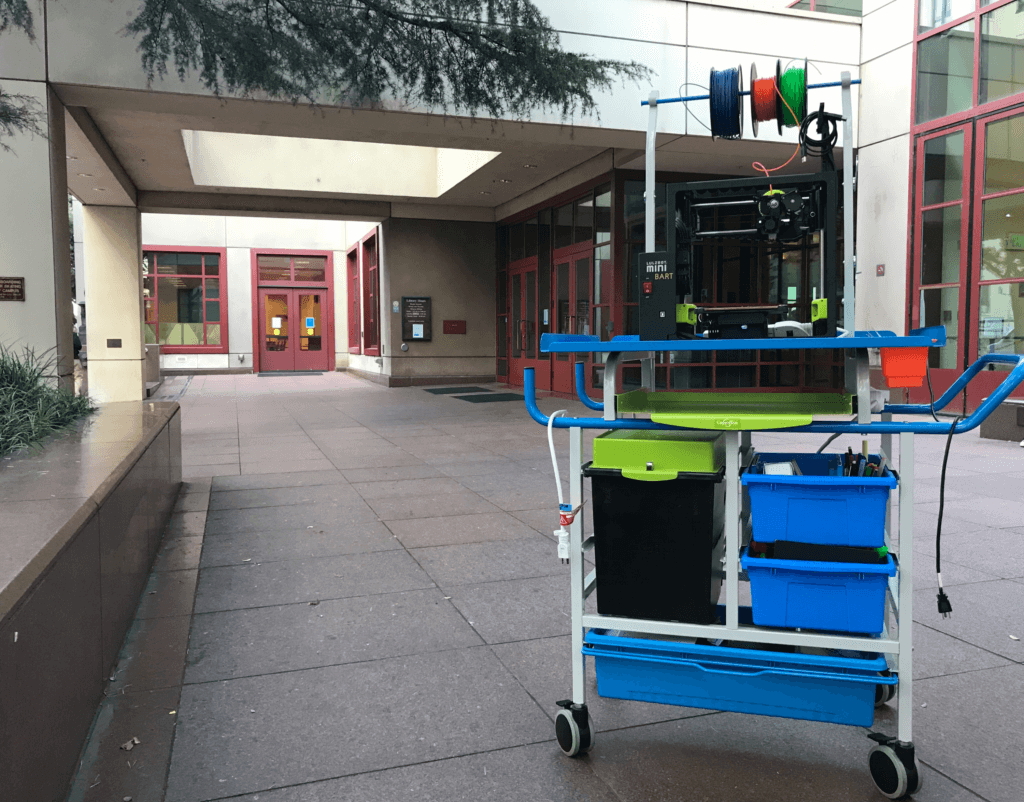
(454, 264)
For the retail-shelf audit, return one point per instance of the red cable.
(769, 170)
(764, 99)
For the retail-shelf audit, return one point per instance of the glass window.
(311, 268)
(634, 212)
(544, 271)
(181, 307)
(1000, 320)
(212, 263)
(274, 268)
(940, 246)
(1002, 238)
(583, 219)
(1004, 154)
(531, 237)
(1001, 57)
(934, 13)
(941, 308)
(945, 73)
(517, 249)
(603, 214)
(943, 168)
(563, 226)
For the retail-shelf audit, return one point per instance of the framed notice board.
(12, 289)
(416, 318)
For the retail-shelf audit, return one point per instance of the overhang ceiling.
(126, 147)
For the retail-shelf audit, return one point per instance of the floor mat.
(480, 399)
(291, 373)
(453, 390)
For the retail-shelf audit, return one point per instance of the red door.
(523, 319)
(275, 319)
(355, 323)
(293, 329)
(571, 313)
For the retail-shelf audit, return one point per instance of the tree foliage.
(497, 56)
(16, 14)
(18, 114)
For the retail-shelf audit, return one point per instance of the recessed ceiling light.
(100, 189)
(484, 192)
(506, 180)
(1009, 215)
(85, 175)
(530, 166)
(72, 158)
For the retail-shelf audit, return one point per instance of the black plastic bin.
(658, 545)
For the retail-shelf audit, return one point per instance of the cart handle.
(581, 389)
(1013, 379)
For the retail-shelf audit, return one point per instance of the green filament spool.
(794, 91)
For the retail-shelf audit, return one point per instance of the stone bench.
(81, 518)
(1006, 422)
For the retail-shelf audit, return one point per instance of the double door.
(292, 329)
(572, 313)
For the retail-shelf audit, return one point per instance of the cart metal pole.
(652, 135)
(732, 529)
(906, 607)
(579, 685)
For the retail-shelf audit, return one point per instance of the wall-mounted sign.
(310, 323)
(454, 327)
(275, 322)
(416, 318)
(12, 289)
(395, 307)
(1014, 242)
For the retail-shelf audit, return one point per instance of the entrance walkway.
(373, 610)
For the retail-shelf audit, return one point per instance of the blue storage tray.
(816, 508)
(838, 597)
(836, 689)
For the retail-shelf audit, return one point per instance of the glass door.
(941, 274)
(997, 280)
(311, 342)
(523, 319)
(572, 314)
(275, 320)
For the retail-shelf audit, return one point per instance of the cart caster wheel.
(573, 730)
(894, 769)
(883, 694)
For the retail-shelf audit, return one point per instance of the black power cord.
(945, 608)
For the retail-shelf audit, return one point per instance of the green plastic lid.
(657, 456)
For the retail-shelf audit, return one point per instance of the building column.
(34, 237)
(112, 245)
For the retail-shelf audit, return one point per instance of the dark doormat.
(291, 373)
(480, 399)
(453, 390)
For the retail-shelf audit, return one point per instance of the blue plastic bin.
(837, 689)
(817, 508)
(838, 597)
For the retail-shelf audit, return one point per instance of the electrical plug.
(563, 545)
(944, 606)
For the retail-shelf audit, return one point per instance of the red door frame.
(285, 360)
(527, 267)
(223, 348)
(353, 296)
(371, 291)
(563, 377)
(327, 286)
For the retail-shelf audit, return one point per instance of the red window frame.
(151, 305)
(327, 284)
(352, 295)
(370, 264)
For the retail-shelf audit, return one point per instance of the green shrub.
(31, 405)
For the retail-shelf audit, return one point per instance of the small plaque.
(879, 270)
(12, 288)
(310, 323)
(416, 318)
(275, 322)
(455, 326)
(113, 343)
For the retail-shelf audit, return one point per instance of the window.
(274, 269)
(945, 72)
(354, 319)
(183, 292)
(371, 297)
(849, 8)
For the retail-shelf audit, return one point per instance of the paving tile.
(153, 655)
(952, 573)
(168, 593)
(199, 485)
(515, 610)
(545, 521)
(999, 553)
(537, 773)
(437, 706)
(203, 471)
(323, 540)
(475, 468)
(294, 581)
(195, 460)
(489, 562)
(985, 614)
(455, 529)
(296, 636)
(402, 488)
(730, 757)
(544, 667)
(104, 774)
(271, 480)
(986, 734)
(179, 554)
(225, 522)
(362, 475)
(987, 512)
(286, 466)
(540, 498)
(192, 502)
(446, 457)
(345, 462)
(281, 496)
(448, 504)
(937, 654)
